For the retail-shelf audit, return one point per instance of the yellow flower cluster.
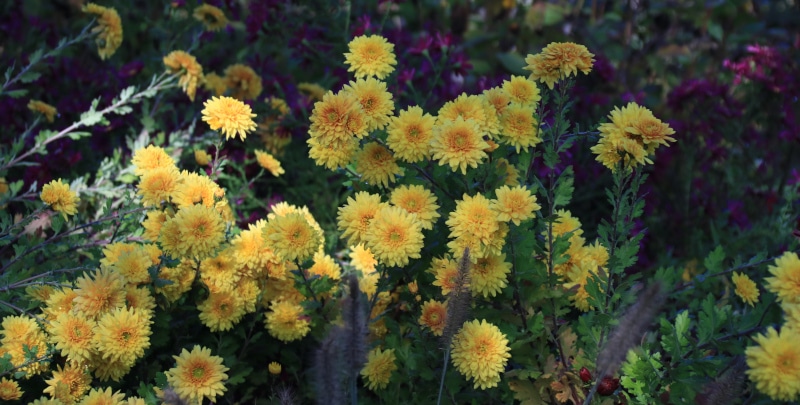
(559, 60)
(631, 138)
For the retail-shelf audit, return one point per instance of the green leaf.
(564, 188)
(711, 319)
(29, 77)
(17, 93)
(513, 62)
(675, 339)
(713, 262)
(715, 30)
(78, 135)
(57, 223)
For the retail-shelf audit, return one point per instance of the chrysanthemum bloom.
(193, 188)
(269, 162)
(197, 375)
(514, 204)
(195, 231)
(376, 165)
(362, 259)
(434, 314)
(156, 185)
(368, 283)
(68, 384)
(522, 91)
(471, 107)
(181, 276)
(375, 101)
(785, 282)
(183, 64)
(418, 200)
(45, 401)
(140, 299)
(332, 154)
(379, 367)
(489, 275)
(283, 208)
(324, 265)
(108, 29)
(566, 223)
(287, 321)
(508, 171)
(152, 224)
(73, 335)
(331, 117)
(243, 81)
(202, 157)
(215, 84)
(61, 301)
(9, 390)
(498, 98)
(559, 60)
(221, 310)
(220, 273)
(473, 217)
(311, 90)
(39, 292)
(150, 157)
(370, 55)
(249, 248)
(99, 396)
(123, 335)
(248, 291)
(631, 137)
(459, 144)
(59, 197)
(19, 333)
(292, 237)
(791, 316)
(212, 17)
(229, 115)
(480, 351)
(395, 236)
(43, 108)
(519, 128)
(274, 368)
(354, 217)
(445, 269)
(410, 134)
(103, 292)
(775, 364)
(746, 288)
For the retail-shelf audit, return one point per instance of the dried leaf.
(40, 224)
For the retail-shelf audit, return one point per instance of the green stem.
(444, 371)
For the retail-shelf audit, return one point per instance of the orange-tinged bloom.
(43, 108)
(559, 60)
(480, 352)
(354, 217)
(514, 204)
(9, 390)
(185, 65)
(68, 384)
(108, 29)
(150, 157)
(376, 165)
(212, 17)
(410, 134)
(243, 81)
(375, 101)
(434, 315)
(459, 144)
(123, 335)
(417, 200)
(395, 236)
(73, 335)
(522, 91)
(269, 162)
(197, 375)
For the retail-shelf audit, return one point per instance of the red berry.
(607, 386)
(586, 376)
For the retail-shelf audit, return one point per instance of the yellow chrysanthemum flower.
(196, 231)
(338, 117)
(498, 98)
(785, 282)
(61, 301)
(193, 188)
(379, 367)
(123, 335)
(522, 91)
(269, 162)
(471, 107)
(9, 390)
(566, 223)
(184, 64)
(73, 335)
(140, 299)
(197, 375)
(229, 115)
(519, 128)
(376, 165)
(202, 157)
(212, 17)
(410, 134)
(243, 81)
(332, 154)
(157, 185)
(19, 333)
(474, 218)
(445, 270)
(775, 364)
(292, 237)
(394, 236)
(39, 293)
(746, 288)
(60, 198)
(68, 384)
(100, 292)
(274, 368)
(480, 352)
(221, 310)
(152, 224)
(324, 265)
(514, 204)
(99, 396)
(286, 321)
(150, 157)
(559, 60)
(311, 90)
(354, 217)
(215, 84)
(46, 401)
(434, 315)
(489, 275)
(108, 29)
(375, 101)
(417, 200)
(458, 143)
(362, 259)
(631, 137)
(43, 108)
(220, 273)
(370, 55)
(181, 276)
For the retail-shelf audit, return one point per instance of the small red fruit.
(607, 386)
(585, 374)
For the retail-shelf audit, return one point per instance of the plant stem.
(444, 371)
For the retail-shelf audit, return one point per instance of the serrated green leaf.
(78, 135)
(17, 93)
(29, 77)
(90, 118)
(713, 262)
